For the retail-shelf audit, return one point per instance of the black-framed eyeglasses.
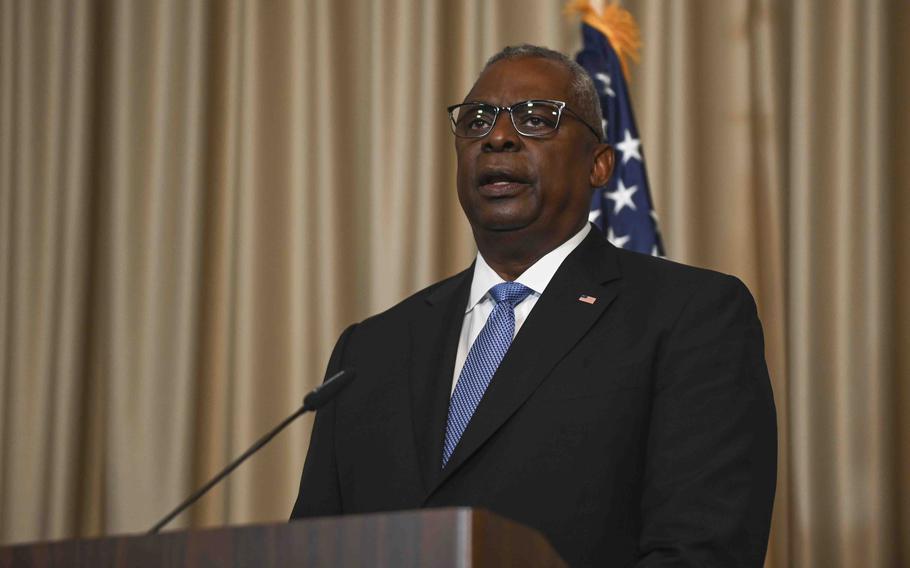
(534, 118)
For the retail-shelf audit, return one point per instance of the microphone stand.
(313, 401)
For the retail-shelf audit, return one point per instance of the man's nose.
(503, 137)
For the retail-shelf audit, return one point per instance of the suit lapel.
(434, 339)
(557, 322)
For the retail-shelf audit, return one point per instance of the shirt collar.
(536, 277)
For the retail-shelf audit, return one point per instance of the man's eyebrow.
(479, 102)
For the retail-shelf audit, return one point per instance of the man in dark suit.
(617, 402)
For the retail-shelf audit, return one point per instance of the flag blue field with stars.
(623, 208)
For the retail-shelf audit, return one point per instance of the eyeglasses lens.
(473, 120)
(535, 118)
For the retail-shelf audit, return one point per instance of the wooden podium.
(431, 537)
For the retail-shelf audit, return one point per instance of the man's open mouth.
(501, 183)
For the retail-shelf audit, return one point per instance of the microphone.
(316, 399)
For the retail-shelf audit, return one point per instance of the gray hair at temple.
(582, 87)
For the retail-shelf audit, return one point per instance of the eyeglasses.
(534, 118)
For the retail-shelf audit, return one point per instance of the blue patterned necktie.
(483, 359)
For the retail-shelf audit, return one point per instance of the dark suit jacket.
(636, 430)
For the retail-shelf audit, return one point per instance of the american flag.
(623, 208)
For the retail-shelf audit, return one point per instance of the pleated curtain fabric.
(197, 196)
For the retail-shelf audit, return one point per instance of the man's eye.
(478, 124)
(536, 121)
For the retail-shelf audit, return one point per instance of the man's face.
(536, 188)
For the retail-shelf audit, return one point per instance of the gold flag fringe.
(617, 24)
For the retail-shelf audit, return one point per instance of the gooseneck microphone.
(317, 398)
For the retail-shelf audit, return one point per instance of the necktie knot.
(510, 292)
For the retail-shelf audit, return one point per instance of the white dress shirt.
(480, 304)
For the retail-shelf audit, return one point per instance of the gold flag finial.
(617, 24)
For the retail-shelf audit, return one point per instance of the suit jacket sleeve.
(712, 445)
(319, 493)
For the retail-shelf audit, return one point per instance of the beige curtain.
(197, 196)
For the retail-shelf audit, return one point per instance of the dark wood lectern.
(432, 537)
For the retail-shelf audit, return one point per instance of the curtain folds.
(197, 197)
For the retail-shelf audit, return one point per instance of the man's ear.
(604, 158)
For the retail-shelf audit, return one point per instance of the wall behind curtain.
(197, 196)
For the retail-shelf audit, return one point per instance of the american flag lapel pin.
(587, 299)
